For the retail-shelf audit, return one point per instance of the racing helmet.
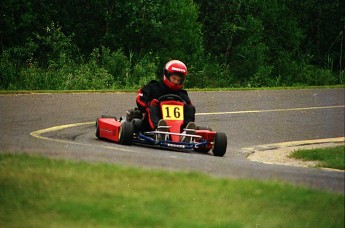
(175, 67)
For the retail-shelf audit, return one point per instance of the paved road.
(247, 117)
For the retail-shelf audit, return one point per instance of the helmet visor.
(176, 78)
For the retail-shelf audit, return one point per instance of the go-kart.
(126, 132)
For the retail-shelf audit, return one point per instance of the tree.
(19, 19)
(168, 28)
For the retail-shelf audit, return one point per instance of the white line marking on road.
(39, 133)
(270, 110)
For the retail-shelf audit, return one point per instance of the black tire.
(137, 124)
(126, 133)
(220, 143)
(97, 130)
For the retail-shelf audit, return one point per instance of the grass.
(39, 192)
(328, 157)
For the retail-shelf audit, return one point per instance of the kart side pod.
(108, 128)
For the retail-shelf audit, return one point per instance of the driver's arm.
(143, 98)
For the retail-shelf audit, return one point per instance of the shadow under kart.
(202, 140)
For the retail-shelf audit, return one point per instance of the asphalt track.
(62, 126)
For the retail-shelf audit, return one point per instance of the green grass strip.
(328, 157)
(39, 192)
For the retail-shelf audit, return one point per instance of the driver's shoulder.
(153, 82)
(183, 91)
(152, 85)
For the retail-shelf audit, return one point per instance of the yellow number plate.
(172, 112)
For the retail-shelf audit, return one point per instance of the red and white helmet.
(174, 67)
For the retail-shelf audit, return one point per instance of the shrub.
(210, 75)
(8, 71)
(115, 63)
(88, 76)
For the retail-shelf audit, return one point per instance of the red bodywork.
(175, 125)
(208, 136)
(109, 128)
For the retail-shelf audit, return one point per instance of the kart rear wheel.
(220, 143)
(126, 133)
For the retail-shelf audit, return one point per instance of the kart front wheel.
(126, 133)
(220, 143)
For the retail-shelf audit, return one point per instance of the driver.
(174, 75)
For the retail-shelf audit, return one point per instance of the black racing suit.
(147, 104)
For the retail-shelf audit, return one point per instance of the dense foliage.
(93, 44)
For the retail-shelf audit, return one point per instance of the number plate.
(172, 112)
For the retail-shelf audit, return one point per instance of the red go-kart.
(131, 132)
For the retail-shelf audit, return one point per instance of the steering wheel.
(169, 97)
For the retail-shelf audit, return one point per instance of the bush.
(316, 76)
(9, 73)
(261, 78)
(210, 75)
(142, 74)
(115, 63)
(304, 74)
(51, 44)
(88, 76)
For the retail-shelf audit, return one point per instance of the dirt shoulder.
(278, 153)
